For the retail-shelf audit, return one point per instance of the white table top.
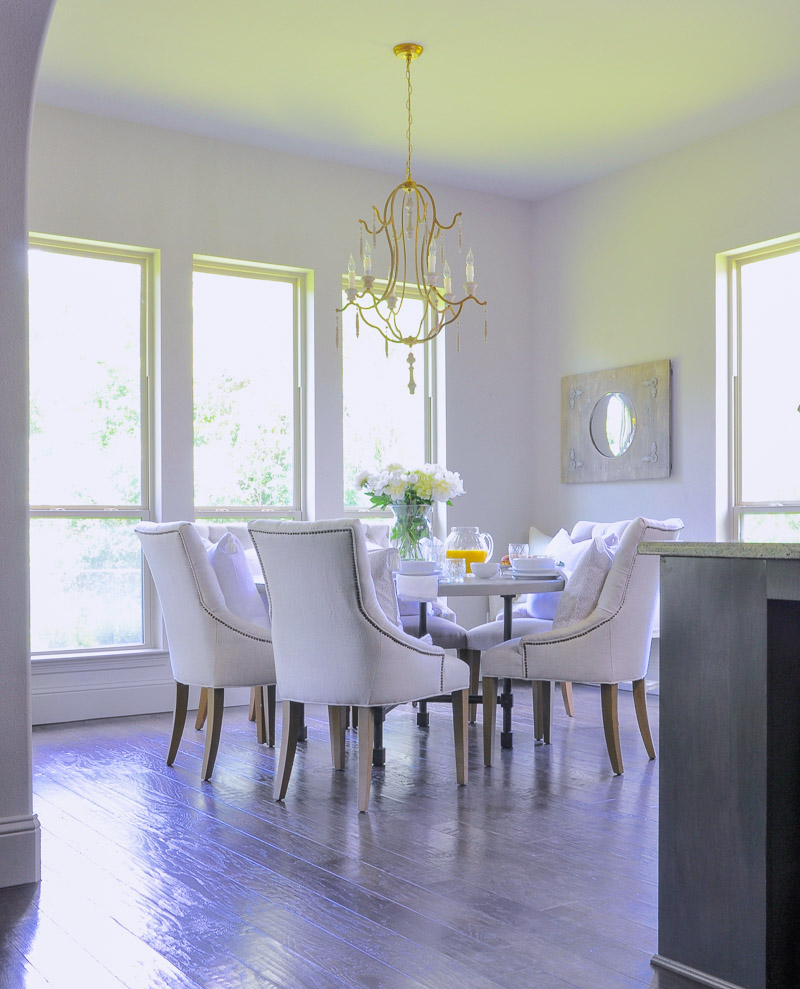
(501, 585)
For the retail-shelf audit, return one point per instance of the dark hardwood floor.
(540, 874)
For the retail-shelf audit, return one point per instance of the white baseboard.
(20, 850)
(81, 687)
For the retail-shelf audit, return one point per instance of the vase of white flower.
(410, 494)
(412, 534)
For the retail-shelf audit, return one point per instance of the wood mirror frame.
(648, 388)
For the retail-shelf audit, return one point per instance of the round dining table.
(506, 586)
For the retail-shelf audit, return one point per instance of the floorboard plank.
(539, 874)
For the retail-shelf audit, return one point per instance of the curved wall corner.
(23, 24)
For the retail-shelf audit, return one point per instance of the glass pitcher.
(469, 543)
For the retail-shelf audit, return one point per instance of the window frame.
(148, 260)
(433, 389)
(735, 260)
(299, 279)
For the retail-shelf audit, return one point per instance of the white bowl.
(533, 564)
(418, 567)
(484, 569)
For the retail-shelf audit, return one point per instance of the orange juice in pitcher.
(470, 544)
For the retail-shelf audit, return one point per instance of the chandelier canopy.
(418, 264)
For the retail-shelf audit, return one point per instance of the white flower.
(396, 483)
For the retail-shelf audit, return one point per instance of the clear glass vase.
(412, 534)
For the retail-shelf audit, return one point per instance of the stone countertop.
(731, 550)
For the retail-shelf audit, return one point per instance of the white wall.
(623, 271)
(113, 181)
(23, 25)
(615, 272)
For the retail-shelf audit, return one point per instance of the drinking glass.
(516, 550)
(455, 569)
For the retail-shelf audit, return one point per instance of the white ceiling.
(520, 97)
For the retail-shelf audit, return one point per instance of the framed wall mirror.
(615, 425)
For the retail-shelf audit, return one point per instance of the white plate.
(418, 568)
(539, 575)
(436, 573)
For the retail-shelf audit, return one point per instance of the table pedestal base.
(506, 701)
(302, 728)
(378, 748)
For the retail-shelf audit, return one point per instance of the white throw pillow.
(537, 541)
(253, 562)
(381, 563)
(543, 605)
(579, 598)
(227, 557)
(564, 551)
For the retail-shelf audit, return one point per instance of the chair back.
(189, 593)
(328, 630)
(630, 594)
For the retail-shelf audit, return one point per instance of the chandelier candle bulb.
(470, 266)
(366, 257)
(448, 281)
(351, 272)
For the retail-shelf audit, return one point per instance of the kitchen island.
(729, 819)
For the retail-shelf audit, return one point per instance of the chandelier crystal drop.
(418, 265)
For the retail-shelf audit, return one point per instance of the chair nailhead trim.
(203, 605)
(580, 635)
(361, 608)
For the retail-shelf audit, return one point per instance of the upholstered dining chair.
(346, 652)
(610, 645)
(209, 646)
(452, 636)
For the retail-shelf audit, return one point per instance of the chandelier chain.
(410, 118)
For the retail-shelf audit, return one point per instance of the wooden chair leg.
(366, 733)
(216, 700)
(354, 718)
(202, 709)
(608, 700)
(640, 703)
(251, 714)
(271, 715)
(489, 718)
(259, 714)
(542, 710)
(472, 657)
(290, 722)
(460, 700)
(337, 723)
(178, 719)
(566, 694)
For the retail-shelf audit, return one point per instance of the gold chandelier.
(415, 238)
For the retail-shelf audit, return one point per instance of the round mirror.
(612, 424)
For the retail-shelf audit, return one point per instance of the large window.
(765, 291)
(89, 314)
(247, 398)
(382, 422)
